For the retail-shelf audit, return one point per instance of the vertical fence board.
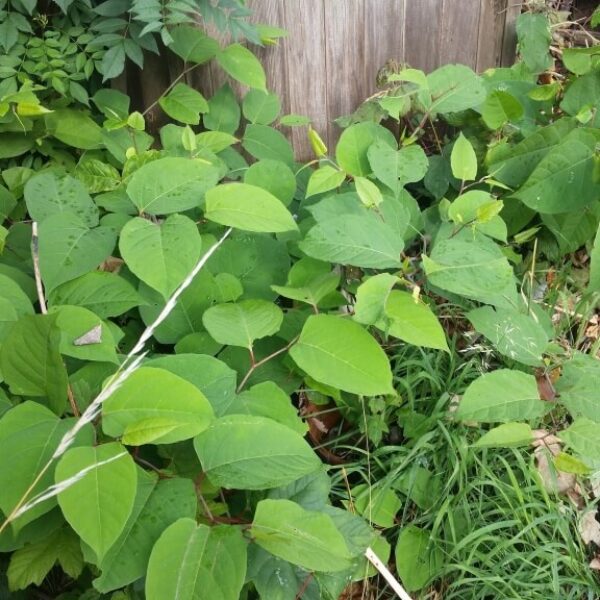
(491, 34)
(459, 30)
(509, 42)
(422, 33)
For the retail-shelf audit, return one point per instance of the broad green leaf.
(248, 452)
(261, 107)
(211, 376)
(192, 44)
(155, 406)
(500, 108)
(268, 400)
(582, 98)
(69, 249)
(418, 559)
(249, 208)
(519, 336)
(240, 324)
(74, 128)
(471, 266)
(574, 229)
(305, 538)
(533, 33)
(396, 168)
(264, 142)
(378, 506)
(413, 321)
(563, 180)
(162, 256)
(480, 210)
(84, 335)
(30, 361)
(507, 435)
(215, 141)
(371, 298)
(324, 179)
(501, 396)
(98, 504)
(171, 184)
(194, 562)
(97, 176)
(47, 195)
(352, 148)
(569, 464)
(340, 353)
(581, 60)
(156, 508)
(243, 66)
(463, 159)
(29, 435)
(594, 282)
(224, 111)
(106, 294)
(578, 386)
(454, 88)
(12, 291)
(583, 436)
(30, 565)
(275, 177)
(184, 104)
(310, 492)
(369, 194)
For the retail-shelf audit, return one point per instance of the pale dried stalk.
(127, 367)
(35, 254)
(385, 573)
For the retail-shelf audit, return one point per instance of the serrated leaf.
(255, 453)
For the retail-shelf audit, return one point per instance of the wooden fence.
(328, 63)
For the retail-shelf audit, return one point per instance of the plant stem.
(170, 87)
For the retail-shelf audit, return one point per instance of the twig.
(128, 366)
(35, 254)
(255, 365)
(304, 586)
(385, 573)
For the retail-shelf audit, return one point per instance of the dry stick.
(129, 365)
(35, 255)
(385, 573)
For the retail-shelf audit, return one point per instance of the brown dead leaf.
(595, 564)
(592, 330)
(589, 528)
(112, 264)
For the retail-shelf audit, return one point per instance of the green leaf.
(184, 187)
(563, 180)
(501, 396)
(578, 387)
(29, 434)
(479, 210)
(267, 399)
(97, 176)
(31, 363)
(418, 559)
(191, 562)
(516, 335)
(243, 66)
(47, 195)
(369, 194)
(184, 104)
(162, 256)
(305, 538)
(412, 321)
(508, 435)
(113, 62)
(192, 44)
(264, 142)
(30, 564)
(454, 88)
(324, 179)
(253, 453)
(471, 266)
(215, 141)
(105, 294)
(594, 282)
(69, 249)
(371, 298)
(463, 159)
(379, 505)
(156, 507)
(84, 335)
(261, 107)
(74, 128)
(249, 208)
(500, 108)
(396, 168)
(353, 146)
(583, 437)
(533, 33)
(224, 111)
(340, 353)
(98, 504)
(581, 60)
(275, 177)
(155, 406)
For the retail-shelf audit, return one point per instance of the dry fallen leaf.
(595, 564)
(93, 336)
(589, 528)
